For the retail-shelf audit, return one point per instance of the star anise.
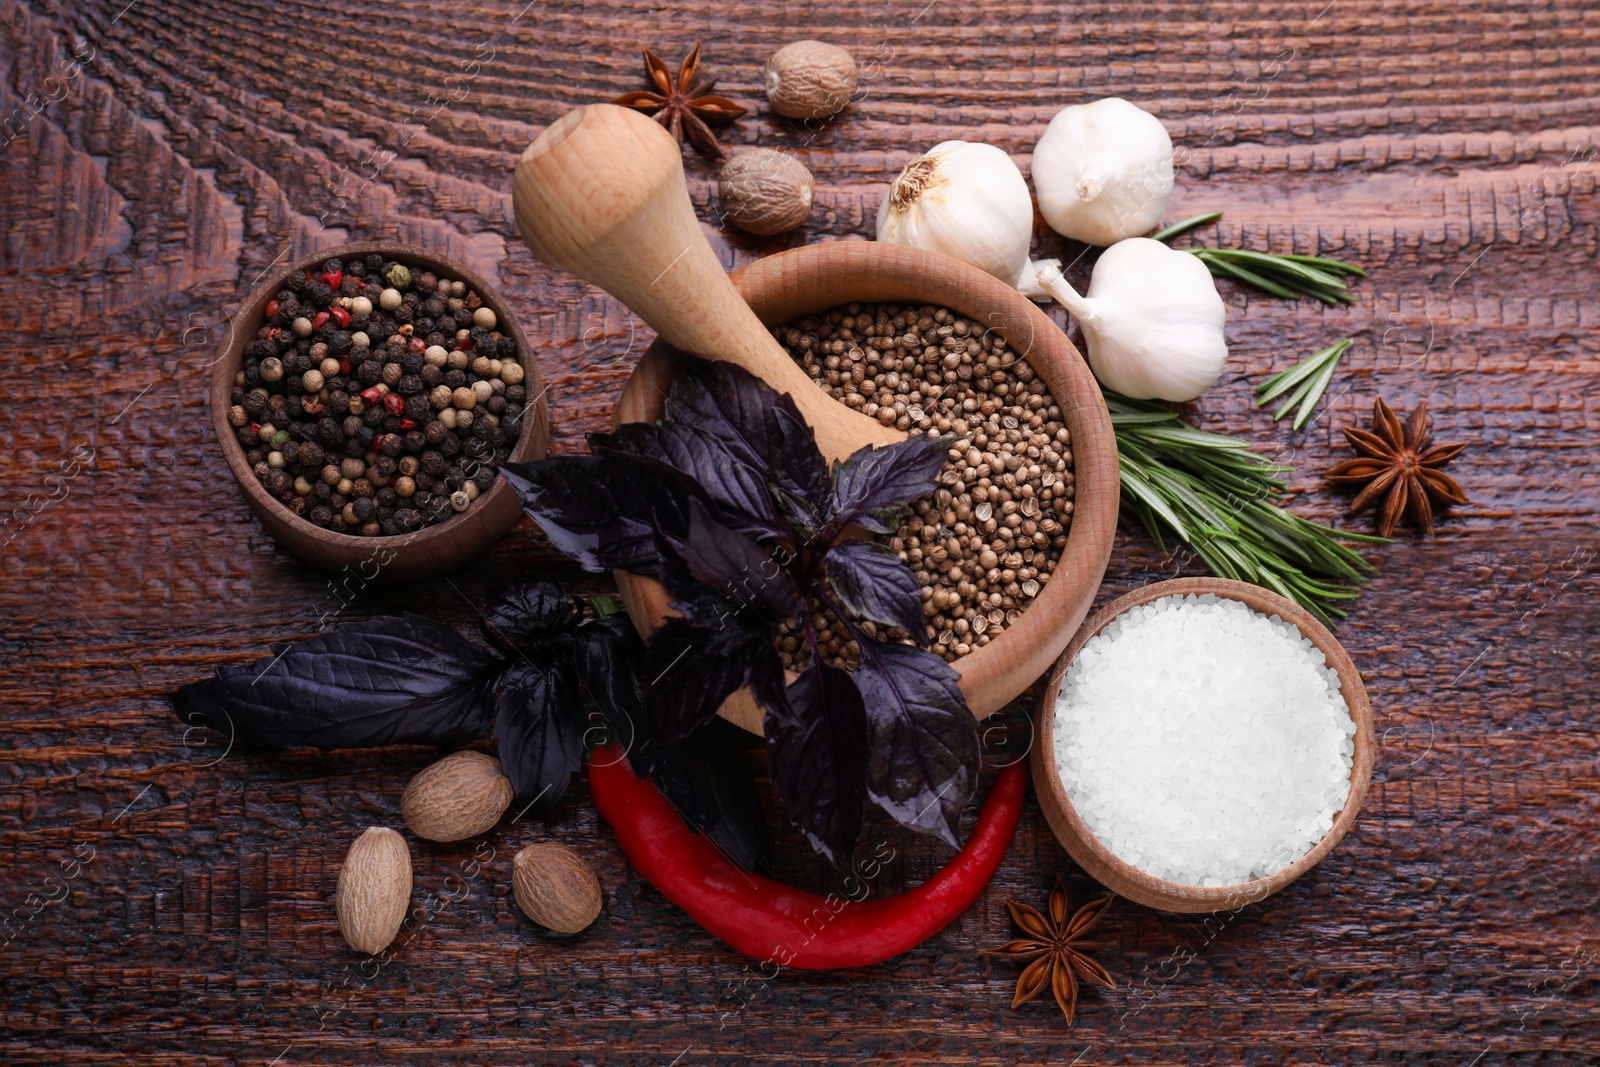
(683, 105)
(1400, 464)
(1053, 952)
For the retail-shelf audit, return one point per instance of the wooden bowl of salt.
(1092, 853)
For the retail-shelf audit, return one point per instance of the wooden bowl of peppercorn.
(458, 505)
(816, 278)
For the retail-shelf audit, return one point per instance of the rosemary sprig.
(1222, 498)
(1308, 379)
(1286, 276)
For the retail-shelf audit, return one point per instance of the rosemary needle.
(1222, 498)
(1286, 276)
(1307, 379)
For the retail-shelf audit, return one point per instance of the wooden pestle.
(600, 194)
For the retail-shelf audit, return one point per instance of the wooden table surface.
(168, 901)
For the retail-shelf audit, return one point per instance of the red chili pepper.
(272, 308)
(320, 321)
(340, 315)
(768, 920)
(394, 403)
(334, 278)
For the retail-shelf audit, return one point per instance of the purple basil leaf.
(728, 403)
(922, 738)
(528, 611)
(603, 510)
(874, 583)
(873, 486)
(395, 681)
(610, 657)
(690, 669)
(706, 776)
(735, 567)
(709, 779)
(738, 489)
(540, 726)
(799, 476)
(817, 756)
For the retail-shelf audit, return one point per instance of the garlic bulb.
(964, 199)
(1152, 320)
(1103, 171)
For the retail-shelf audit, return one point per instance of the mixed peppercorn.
(377, 398)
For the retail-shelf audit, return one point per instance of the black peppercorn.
(317, 294)
(373, 415)
(409, 385)
(332, 266)
(435, 432)
(364, 508)
(339, 342)
(430, 375)
(279, 482)
(404, 313)
(361, 487)
(351, 424)
(516, 394)
(484, 478)
(455, 379)
(311, 455)
(354, 448)
(339, 404)
(322, 515)
(374, 262)
(329, 431)
(495, 405)
(476, 447)
(384, 498)
(463, 318)
(450, 445)
(290, 450)
(390, 446)
(370, 372)
(255, 402)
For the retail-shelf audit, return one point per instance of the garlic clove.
(966, 200)
(1152, 320)
(1103, 171)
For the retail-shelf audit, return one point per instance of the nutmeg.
(460, 796)
(810, 80)
(765, 192)
(555, 887)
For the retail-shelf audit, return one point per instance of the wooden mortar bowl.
(1123, 878)
(433, 549)
(816, 278)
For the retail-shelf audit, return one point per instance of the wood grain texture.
(169, 902)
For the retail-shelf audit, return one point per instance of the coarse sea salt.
(1204, 742)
